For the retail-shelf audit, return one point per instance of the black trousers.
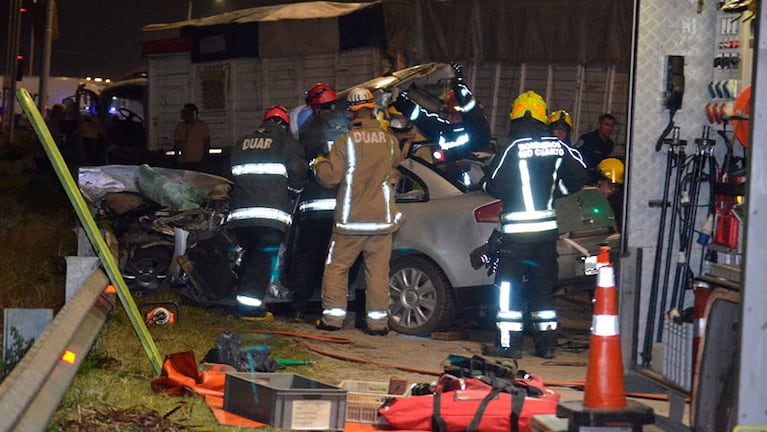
(533, 272)
(262, 245)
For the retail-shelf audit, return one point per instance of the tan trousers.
(343, 251)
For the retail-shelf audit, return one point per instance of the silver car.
(447, 215)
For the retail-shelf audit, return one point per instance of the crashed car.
(432, 280)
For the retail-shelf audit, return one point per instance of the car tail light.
(489, 213)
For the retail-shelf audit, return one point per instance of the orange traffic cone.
(604, 379)
(604, 256)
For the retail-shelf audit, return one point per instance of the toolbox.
(285, 401)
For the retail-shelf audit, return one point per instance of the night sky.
(103, 37)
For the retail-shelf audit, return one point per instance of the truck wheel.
(421, 300)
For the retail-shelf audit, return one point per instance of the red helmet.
(319, 94)
(279, 112)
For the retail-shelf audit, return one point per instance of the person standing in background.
(191, 139)
(560, 125)
(597, 144)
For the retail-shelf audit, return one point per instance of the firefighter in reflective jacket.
(462, 131)
(363, 164)
(315, 211)
(269, 170)
(527, 175)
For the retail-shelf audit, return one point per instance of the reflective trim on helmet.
(260, 168)
(519, 228)
(604, 325)
(294, 190)
(377, 315)
(324, 204)
(259, 213)
(335, 312)
(528, 215)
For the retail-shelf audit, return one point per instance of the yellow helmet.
(532, 102)
(612, 169)
(561, 115)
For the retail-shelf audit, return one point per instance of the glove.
(480, 257)
(458, 70)
(316, 161)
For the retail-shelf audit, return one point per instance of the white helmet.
(360, 97)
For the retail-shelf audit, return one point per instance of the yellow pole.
(89, 225)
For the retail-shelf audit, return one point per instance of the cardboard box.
(285, 401)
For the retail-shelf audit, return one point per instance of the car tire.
(421, 300)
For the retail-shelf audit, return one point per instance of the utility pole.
(14, 35)
(45, 63)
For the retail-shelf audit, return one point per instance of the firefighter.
(525, 175)
(269, 170)
(315, 211)
(362, 163)
(461, 130)
(409, 137)
(560, 125)
(609, 181)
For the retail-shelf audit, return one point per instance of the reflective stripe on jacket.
(363, 163)
(266, 166)
(527, 175)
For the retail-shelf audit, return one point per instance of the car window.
(466, 174)
(410, 188)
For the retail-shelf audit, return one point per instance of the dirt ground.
(426, 354)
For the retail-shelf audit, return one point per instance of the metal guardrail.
(31, 393)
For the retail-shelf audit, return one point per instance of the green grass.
(36, 234)
(117, 372)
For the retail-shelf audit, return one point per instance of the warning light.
(69, 357)
(110, 289)
(23, 9)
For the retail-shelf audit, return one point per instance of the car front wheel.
(421, 301)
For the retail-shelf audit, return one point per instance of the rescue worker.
(269, 170)
(409, 137)
(525, 175)
(610, 183)
(560, 125)
(464, 130)
(315, 211)
(363, 164)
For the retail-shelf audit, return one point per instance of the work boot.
(322, 326)
(376, 332)
(499, 351)
(514, 350)
(546, 344)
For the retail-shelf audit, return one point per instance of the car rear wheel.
(421, 301)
